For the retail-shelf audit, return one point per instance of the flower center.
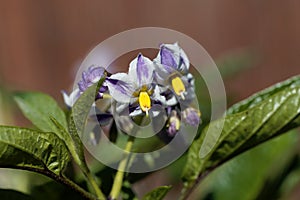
(145, 102)
(178, 86)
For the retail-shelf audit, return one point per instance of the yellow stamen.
(106, 96)
(178, 86)
(145, 102)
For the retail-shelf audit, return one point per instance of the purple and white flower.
(163, 85)
(176, 84)
(172, 72)
(89, 77)
(136, 89)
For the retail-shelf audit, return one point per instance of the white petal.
(136, 113)
(173, 101)
(72, 98)
(141, 70)
(120, 87)
(156, 96)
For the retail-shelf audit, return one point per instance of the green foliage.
(269, 114)
(157, 194)
(43, 112)
(46, 115)
(245, 176)
(77, 120)
(38, 108)
(7, 194)
(53, 191)
(32, 150)
(127, 192)
(247, 124)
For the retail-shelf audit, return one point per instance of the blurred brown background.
(42, 41)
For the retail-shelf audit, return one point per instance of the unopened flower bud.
(174, 124)
(191, 116)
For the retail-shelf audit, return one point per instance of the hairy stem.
(118, 181)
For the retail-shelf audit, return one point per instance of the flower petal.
(93, 75)
(136, 112)
(168, 62)
(164, 63)
(179, 55)
(171, 57)
(72, 98)
(82, 85)
(141, 70)
(156, 96)
(172, 101)
(120, 87)
(167, 57)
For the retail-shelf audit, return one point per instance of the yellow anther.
(145, 102)
(178, 86)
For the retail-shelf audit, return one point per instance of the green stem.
(188, 190)
(80, 161)
(75, 187)
(63, 180)
(94, 185)
(117, 185)
(85, 169)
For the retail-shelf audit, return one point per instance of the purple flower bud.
(174, 124)
(172, 128)
(191, 116)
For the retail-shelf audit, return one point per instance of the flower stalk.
(118, 181)
(94, 185)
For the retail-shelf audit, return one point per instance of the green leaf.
(78, 117)
(272, 186)
(77, 121)
(38, 108)
(68, 140)
(32, 150)
(260, 120)
(245, 176)
(54, 191)
(157, 194)
(7, 194)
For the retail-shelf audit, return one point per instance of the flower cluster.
(164, 81)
